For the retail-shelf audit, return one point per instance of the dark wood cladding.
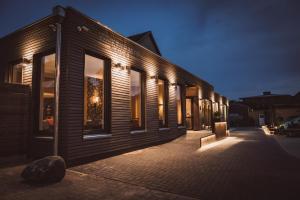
(25, 43)
(76, 43)
(15, 118)
(39, 38)
(217, 97)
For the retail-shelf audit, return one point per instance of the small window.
(179, 105)
(162, 103)
(137, 100)
(15, 74)
(93, 93)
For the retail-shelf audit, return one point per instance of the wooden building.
(88, 91)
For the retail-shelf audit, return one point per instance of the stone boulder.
(50, 169)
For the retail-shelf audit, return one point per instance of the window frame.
(166, 101)
(9, 72)
(106, 93)
(36, 89)
(143, 98)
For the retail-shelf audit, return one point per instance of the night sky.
(242, 47)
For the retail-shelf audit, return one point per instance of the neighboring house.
(239, 114)
(272, 109)
(73, 87)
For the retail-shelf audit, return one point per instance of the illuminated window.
(137, 98)
(15, 74)
(47, 94)
(179, 105)
(162, 103)
(93, 93)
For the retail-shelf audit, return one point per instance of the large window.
(179, 105)
(137, 104)
(47, 94)
(93, 93)
(162, 103)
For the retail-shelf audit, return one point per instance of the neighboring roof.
(147, 40)
(265, 96)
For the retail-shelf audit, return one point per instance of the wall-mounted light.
(174, 85)
(82, 28)
(155, 77)
(121, 67)
(53, 27)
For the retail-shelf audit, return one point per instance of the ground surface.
(246, 165)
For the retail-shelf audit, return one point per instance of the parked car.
(292, 123)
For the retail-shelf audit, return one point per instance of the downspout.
(59, 12)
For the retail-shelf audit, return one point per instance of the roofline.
(164, 59)
(27, 26)
(109, 29)
(143, 34)
(267, 96)
(154, 42)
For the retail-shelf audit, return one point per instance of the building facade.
(93, 92)
(272, 109)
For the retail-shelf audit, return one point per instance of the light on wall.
(174, 85)
(121, 67)
(155, 77)
(82, 28)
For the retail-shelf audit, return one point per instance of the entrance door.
(189, 113)
(44, 110)
(47, 95)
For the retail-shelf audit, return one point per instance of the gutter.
(60, 13)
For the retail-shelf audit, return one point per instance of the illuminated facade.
(95, 92)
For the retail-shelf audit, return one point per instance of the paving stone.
(247, 165)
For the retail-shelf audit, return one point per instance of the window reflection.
(15, 74)
(136, 99)
(93, 93)
(47, 94)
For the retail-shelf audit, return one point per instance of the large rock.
(46, 170)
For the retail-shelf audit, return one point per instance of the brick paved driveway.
(247, 165)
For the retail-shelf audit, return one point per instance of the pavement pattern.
(246, 165)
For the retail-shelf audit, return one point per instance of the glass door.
(189, 114)
(47, 95)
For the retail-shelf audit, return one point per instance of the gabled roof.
(147, 40)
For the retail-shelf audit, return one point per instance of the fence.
(15, 118)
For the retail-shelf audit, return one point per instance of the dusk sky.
(242, 47)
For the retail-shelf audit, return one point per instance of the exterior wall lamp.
(82, 28)
(155, 77)
(121, 67)
(174, 84)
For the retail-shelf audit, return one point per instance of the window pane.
(136, 99)
(179, 105)
(15, 74)
(161, 103)
(93, 93)
(47, 94)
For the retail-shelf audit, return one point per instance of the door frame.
(192, 114)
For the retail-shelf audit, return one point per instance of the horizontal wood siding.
(76, 43)
(24, 43)
(14, 118)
